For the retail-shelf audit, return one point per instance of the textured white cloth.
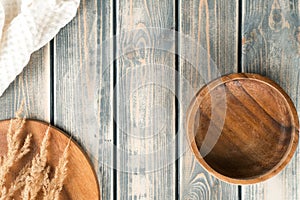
(26, 26)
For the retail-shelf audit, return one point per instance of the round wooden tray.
(251, 125)
(81, 181)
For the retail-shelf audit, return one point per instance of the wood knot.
(277, 21)
(297, 34)
(277, 18)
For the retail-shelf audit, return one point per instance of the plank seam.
(115, 186)
(240, 37)
(177, 108)
(51, 48)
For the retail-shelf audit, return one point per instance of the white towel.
(26, 26)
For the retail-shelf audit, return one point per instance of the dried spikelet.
(34, 181)
(26, 146)
(18, 183)
(33, 178)
(53, 188)
(13, 150)
(46, 180)
(20, 111)
(4, 194)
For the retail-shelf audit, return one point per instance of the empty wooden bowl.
(243, 128)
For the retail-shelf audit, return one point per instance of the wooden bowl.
(243, 128)
(81, 181)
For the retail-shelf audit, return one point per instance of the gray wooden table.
(76, 84)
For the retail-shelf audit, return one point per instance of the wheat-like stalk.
(14, 152)
(18, 183)
(33, 179)
(53, 188)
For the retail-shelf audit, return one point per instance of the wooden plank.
(270, 31)
(32, 85)
(212, 25)
(146, 120)
(83, 86)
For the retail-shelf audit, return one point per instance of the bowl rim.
(193, 108)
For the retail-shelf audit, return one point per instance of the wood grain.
(214, 26)
(32, 85)
(237, 133)
(146, 119)
(80, 182)
(270, 31)
(83, 85)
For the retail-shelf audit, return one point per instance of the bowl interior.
(243, 128)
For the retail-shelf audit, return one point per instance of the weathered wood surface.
(32, 85)
(270, 31)
(83, 86)
(146, 119)
(214, 26)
